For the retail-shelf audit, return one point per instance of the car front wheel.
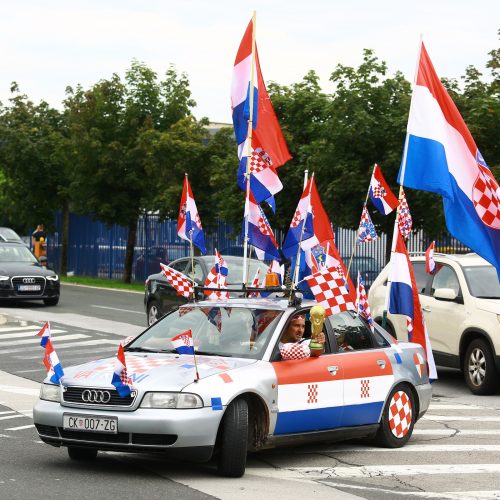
(398, 418)
(234, 436)
(51, 301)
(479, 368)
(153, 312)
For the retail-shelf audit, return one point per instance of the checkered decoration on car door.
(330, 291)
(179, 281)
(400, 414)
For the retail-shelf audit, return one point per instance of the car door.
(310, 393)
(366, 369)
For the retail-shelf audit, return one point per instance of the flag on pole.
(430, 265)
(44, 333)
(181, 283)
(268, 148)
(255, 283)
(183, 343)
(403, 299)
(260, 234)
(216, 278)
(380, 193)
(443, 158)
(362, 305)
(366, 231)
(405, 221)
(54, 368)
(120, 379)
(189, 219)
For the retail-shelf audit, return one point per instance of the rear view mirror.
(445, 294)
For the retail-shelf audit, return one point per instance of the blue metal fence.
(99, 251)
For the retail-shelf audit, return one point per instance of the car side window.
(351, 333)
(445, 277)
(179, 266)
(198, 272)
(421, 277)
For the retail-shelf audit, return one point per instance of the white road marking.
(33, 333)
(118, 309)
(20, 428)
(6, 412)
(458, 432)
(458, 407)
(447, 418)
(8, 417)
(88, 342)
(19, 328)
(445, 448)
(36, 340)
(30, 371)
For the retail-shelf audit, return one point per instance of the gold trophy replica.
(317, 319)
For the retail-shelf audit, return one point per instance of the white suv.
(461, 305)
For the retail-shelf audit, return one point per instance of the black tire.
(232, 458)
(154, 313)
(82, 454)
(51, 301)
(398, 418)
(479, 368)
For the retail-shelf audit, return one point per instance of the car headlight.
(4, 278)
(50, 392)
(53, 278)
(178, 400)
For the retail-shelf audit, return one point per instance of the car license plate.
(90, 423)
(29, 288)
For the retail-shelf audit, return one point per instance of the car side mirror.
(446, 294)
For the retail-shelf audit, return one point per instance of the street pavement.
(454, 452)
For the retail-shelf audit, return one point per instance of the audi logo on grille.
(95, 396)
(28, 280)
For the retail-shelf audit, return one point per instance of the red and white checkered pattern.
(405, 221)
(214, 280)
(419, 363)
(400, 414)
(379, 191)
(362, 302)
(329, 290)
(486, 198)
(264, 228)
(365, 388)
(312, 393)
(294, 351)
(296, 219)
(179, 281)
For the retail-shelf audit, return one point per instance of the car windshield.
(16, 253)
(235, 275)
(218, 331)
(483, 282)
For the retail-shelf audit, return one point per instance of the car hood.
(488, 305)
(24, 268)
(165, 372)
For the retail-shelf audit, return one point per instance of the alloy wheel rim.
(477, 367)
(153, 315)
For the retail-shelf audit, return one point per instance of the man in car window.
(292, 344)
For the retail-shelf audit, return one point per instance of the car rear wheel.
(234, 440)
(479, 368)
(51, 301)
(398, 418)
(82, 454)
(153, 312)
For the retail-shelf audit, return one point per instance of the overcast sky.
(46, 45)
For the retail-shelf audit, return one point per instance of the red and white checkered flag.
(179, 281)
(405, 221)
(329, 290)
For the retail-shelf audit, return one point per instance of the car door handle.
(333, 370)
(427, 309)
(381, 363)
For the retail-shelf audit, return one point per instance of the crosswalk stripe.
(20, 328)
(60, 346)
(458, 432)
(26, 334)
(8, 417)
(20, 428)
(458, 407)
(6, 412)
(472, 418)
(418, 448)
(35, 340)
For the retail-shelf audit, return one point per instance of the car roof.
(468, 259)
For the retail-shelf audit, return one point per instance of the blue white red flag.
(216, 278)
(403, 299)
(380, 193)
(55, 371)
(443, 158)
(362, 302)
(268, 148)
(183, 343)
(366, 231)
(430, 264)
(44, 333)
(405, 221)
(189, 220)
(120, 379)
(260, 234)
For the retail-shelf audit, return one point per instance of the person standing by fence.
(39, 241)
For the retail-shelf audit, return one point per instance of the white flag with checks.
(179, 281)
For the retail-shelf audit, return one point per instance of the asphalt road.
(454, 452)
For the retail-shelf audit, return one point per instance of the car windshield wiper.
(487, 297)
(207, 353)
(145, 349)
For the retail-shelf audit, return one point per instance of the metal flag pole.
(401, 182)
(249, 152)
(357, 232)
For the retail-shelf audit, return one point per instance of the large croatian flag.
(403, 299)
(380, 193)
(268, 149)
(189, 219)
(51, 361)
(443, 158)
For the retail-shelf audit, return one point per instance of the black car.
(160, 296)
(23, 277)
